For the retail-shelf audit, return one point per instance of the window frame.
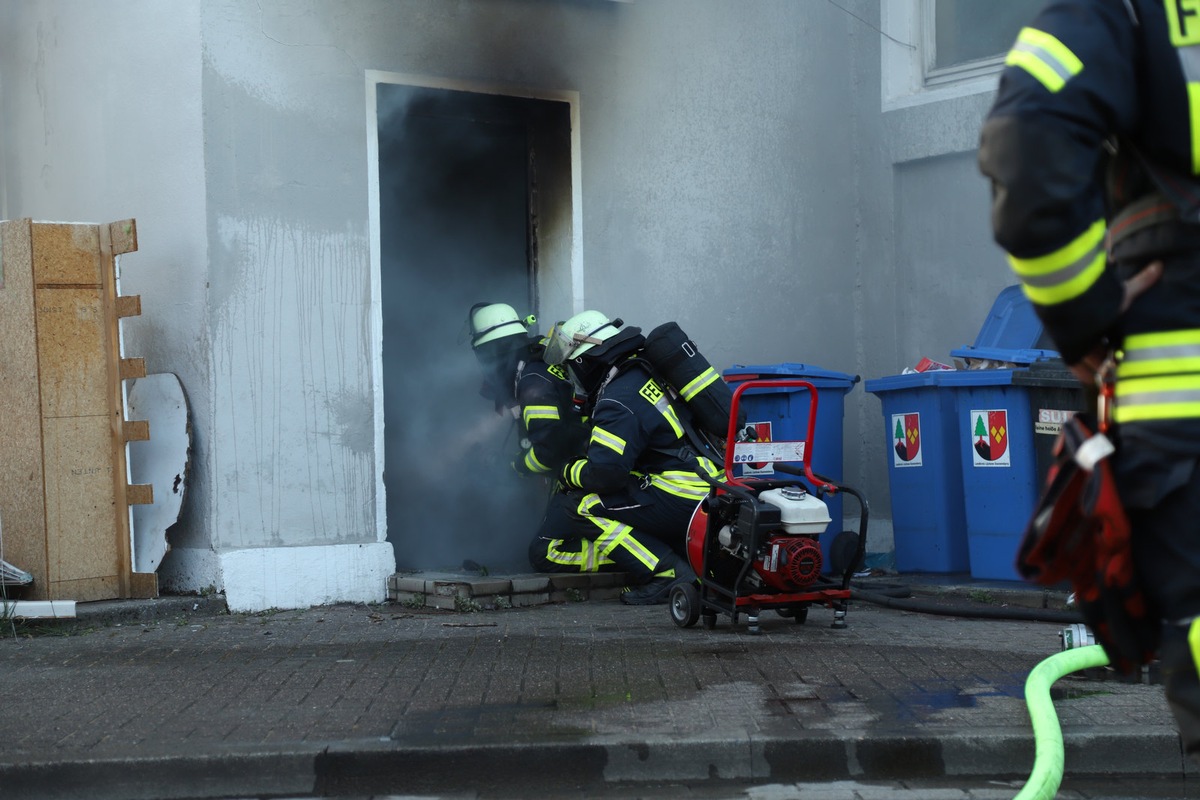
(909, 51)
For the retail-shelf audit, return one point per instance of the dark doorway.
(459, 224)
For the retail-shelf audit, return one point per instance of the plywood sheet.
(66, 255)
(21, 494)
(81, 518)
(161, 461)
(72, 359)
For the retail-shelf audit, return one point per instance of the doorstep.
(471, 592)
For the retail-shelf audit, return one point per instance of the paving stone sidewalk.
(395, 699)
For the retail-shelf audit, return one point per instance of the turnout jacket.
(1093, 148)
(635, 431)
(554, 430)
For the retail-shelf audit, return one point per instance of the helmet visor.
(560, 344)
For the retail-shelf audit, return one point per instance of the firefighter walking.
(1093, 150)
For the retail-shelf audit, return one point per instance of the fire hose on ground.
(1047, 772)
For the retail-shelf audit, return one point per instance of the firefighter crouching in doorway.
(631, 497)
(1093, 150)
(518, 381)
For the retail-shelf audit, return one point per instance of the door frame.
(575, 288)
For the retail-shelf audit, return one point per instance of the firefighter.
(518, 381)
(632, 495)
(1092, 147)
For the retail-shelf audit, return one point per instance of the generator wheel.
(685, 605)
(842, 552)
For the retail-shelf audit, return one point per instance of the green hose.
(1047, 772)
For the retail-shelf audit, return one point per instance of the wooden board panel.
(66, 255)
(82, 539)
(71, 355)
(119, 368)
(129, 305)
(21, 493)
(123, 236)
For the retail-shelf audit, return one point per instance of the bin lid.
(942, 378)
(818, 377)
(1051, 374)
(1011, 332)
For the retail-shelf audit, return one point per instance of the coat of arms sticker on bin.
(906, 431)
(989, 434)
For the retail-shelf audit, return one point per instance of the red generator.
(755, 543)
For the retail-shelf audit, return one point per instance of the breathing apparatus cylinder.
(699, 385)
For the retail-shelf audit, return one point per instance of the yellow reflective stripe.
(574, 473)
(531, 413)
(1194, 643)
(532, 464)
(1161, 353)
(556, 556)
(1045, 58)
(689, 491)
(699, 384)
(1142, 399)
(1193, 91)
(1065, 273)
(673, 420)
(587, 503)
(622, 536)
(683, 476)
(609, 440)
(1145, 341)
(1158, 366)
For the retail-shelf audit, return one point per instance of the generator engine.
(787, 520)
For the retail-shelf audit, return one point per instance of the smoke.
(453, 211)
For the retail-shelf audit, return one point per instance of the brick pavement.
(386, 698)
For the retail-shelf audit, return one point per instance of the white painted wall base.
(300, 577)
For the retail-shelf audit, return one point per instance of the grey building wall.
(737, 173)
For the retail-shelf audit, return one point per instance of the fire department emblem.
(989, 436)
(906, 438)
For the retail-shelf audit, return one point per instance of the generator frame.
(738, 496)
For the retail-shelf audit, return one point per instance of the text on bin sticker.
(748, 452)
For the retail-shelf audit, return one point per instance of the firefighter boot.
(671, 570)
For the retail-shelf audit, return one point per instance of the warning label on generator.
(759, 452)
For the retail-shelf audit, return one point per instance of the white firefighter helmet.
(571, 339)
(492, 321)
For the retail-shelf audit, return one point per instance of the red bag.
(1080, 533)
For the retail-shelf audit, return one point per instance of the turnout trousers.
(630, 531)
(1161, 494)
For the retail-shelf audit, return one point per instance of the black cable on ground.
(970, 611)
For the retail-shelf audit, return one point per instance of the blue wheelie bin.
(968, 449)
(929, 522)
(781, 414)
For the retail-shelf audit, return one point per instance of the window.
(971, 37)
(939, 48)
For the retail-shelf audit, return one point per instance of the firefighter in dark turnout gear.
(633, 494)
(518, 381)
(1093, 150)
